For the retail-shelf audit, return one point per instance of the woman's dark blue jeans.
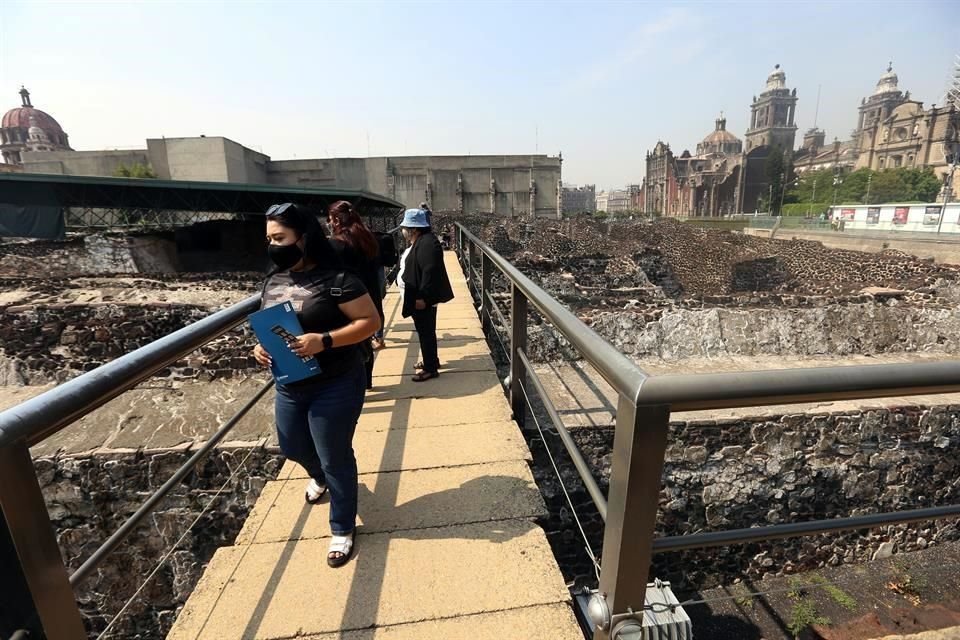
(315, 425)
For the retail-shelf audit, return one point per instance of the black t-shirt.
(314, 296)
(363, 267)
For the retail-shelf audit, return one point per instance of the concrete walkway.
(447, 546)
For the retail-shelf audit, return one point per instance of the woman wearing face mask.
(316, 417)
(357, 248)
(425, 285)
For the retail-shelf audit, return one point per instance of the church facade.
(724, 176)
(892, 130)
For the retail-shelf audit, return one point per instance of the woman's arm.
(364, 322)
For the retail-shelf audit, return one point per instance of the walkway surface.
(446, 547)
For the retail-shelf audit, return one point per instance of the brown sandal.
(422, 376)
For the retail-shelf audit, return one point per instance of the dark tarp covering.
(32, 222)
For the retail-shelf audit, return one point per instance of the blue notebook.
(275, 328)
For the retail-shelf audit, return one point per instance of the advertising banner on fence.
(900, 215)
(931, 215)
(873, 215)
(847, 214)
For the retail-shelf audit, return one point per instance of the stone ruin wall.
(62, 328)
(52, 343)
(88, 254)
(830, 330)
(88, 497)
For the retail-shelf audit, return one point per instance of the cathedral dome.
(720, 136)
(25, 117)
(26, 128)
(777, 79)
(888, 81)
(720, 140)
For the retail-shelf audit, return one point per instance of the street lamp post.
(813, 198)
(953, 158)
(837, 181)
(783, 190)
(866, 199)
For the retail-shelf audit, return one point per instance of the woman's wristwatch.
(327, 340)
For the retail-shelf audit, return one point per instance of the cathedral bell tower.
(772, 115)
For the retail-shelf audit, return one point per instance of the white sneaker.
(314, 491)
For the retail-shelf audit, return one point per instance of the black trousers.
(425, 322)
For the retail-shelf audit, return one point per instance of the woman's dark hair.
(316, 247)
(351, 230)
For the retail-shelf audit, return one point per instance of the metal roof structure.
(177, 195)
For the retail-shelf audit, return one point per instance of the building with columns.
(894, 130)
(504, 185)
(725, 175)
(705, 184)
(579, 199)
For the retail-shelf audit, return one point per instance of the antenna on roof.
(816, 111)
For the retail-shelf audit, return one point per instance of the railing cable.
(546, 446)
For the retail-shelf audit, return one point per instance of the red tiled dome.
(20, 117)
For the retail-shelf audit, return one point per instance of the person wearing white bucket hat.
(425, 284)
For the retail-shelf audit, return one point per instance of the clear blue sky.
(601, 82)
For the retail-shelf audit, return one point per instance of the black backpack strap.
(337, 289)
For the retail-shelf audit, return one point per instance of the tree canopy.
(864, 186)
(136, 170)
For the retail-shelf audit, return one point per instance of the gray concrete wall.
(201, 159)
(411, 176)
(244, 165)
(157, 150)
(82, 163)
(302, 173)
(404, 178)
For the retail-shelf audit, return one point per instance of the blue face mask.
(284, 256)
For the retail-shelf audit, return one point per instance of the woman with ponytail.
(359, 251)
(316, 417)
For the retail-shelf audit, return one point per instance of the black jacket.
(425, 276)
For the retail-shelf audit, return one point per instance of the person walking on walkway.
(359, 251)
(316, 417)
(425, 285)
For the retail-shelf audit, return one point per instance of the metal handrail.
(622, 374)
(43, 415)
(692, 392)
(797, 529)
(151, 503)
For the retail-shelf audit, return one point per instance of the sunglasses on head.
(278, 209)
